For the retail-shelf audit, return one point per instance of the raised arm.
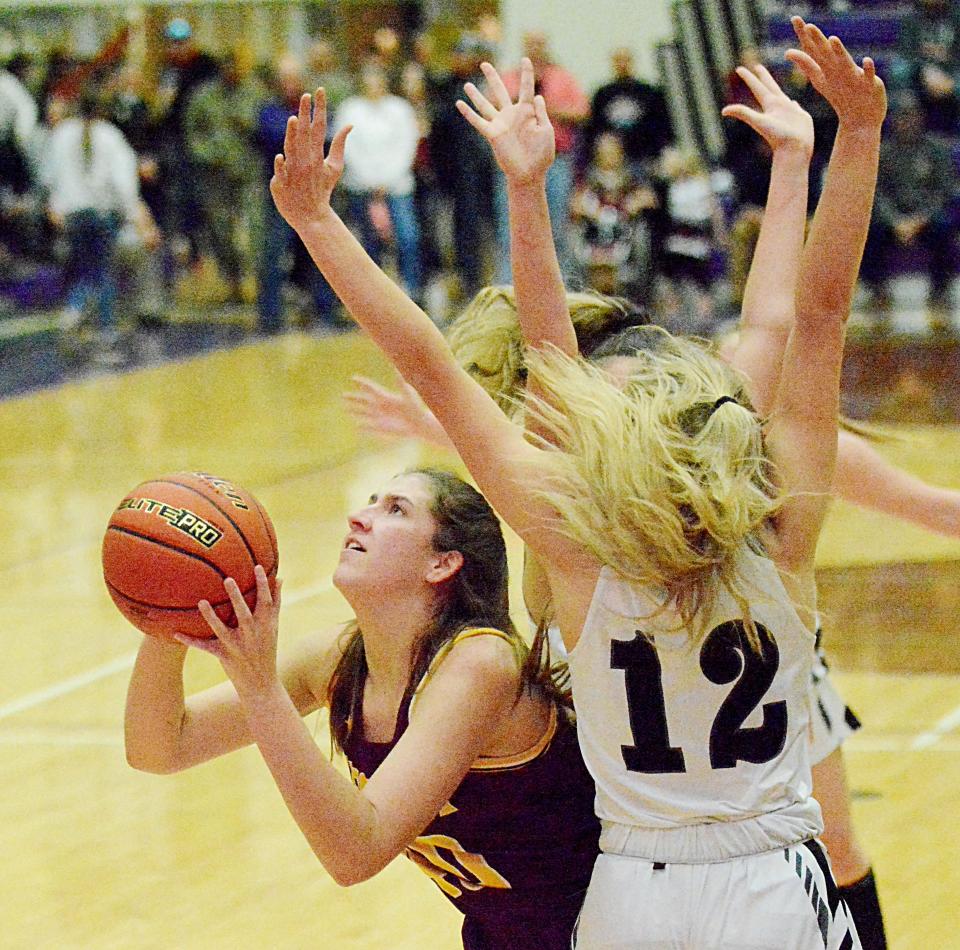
(493, 449)
(864, 477)
(522, 140)
(769, 296)
(834, 247)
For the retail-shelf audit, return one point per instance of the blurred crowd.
(917, 205)
(128, 191)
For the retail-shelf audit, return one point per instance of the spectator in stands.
(218, 129)
(487, 26)
(464, 164)
(18, 120)
(387, 52)
(129, 110)
(929, 61)
(378, 172)
(415, 88)
(91, 174)
(138, 255)
(276, 236)
(695, 234)
(568, 108)
(184, 67)
(612, 209)
(634, 110)
(914, 187)
(139, 271)
(18, 125)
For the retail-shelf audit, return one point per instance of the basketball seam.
(273, 543)
(144, 603)
(200, 494)
(168, 546)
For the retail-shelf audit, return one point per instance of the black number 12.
(726, 656)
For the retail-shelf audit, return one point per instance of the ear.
(444, 566)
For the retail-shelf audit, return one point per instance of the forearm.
(832, 255)
(864, 477)
(339, 823)
(769, 296)
(399, 327)
(537, 281)
(155, 707)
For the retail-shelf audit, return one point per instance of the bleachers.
(874, 30)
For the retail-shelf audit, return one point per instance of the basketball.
(172, 541)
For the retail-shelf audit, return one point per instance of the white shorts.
(779, 900)
(832, 721)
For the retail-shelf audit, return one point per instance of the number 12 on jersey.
(725, 657)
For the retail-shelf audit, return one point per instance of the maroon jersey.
(515, 846)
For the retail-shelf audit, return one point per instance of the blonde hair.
(486, 339)
(665, 479)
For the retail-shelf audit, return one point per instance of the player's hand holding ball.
(247, 651)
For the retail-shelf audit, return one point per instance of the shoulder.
(483, 657)
(474, 679)
(484, 650)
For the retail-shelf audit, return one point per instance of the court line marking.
(60, 737)
(119, 664)
(932, 736)
(69, 685)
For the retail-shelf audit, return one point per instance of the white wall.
(583, 32)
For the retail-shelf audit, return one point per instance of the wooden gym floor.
(99, 856)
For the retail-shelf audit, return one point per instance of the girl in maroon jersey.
(460, 745)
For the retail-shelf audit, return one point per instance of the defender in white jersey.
(701, 759)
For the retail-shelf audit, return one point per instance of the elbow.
(347, 873)
(152, 768)
(347, 877)
(145, 762)
(348, 868)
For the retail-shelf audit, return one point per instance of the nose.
(359, 521)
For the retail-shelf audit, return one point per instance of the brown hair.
(475, 596)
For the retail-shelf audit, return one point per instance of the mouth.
(352, 544)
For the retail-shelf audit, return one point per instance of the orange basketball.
(173, 540)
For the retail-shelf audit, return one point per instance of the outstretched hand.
(782, 122)
(856, 93)
(520, 132)
(247, 652)
(303, 179)
(393, 413)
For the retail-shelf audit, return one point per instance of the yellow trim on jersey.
(448, 646)
(490, 763)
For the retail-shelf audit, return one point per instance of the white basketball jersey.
(717, 736)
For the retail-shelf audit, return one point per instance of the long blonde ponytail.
(665, 479)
